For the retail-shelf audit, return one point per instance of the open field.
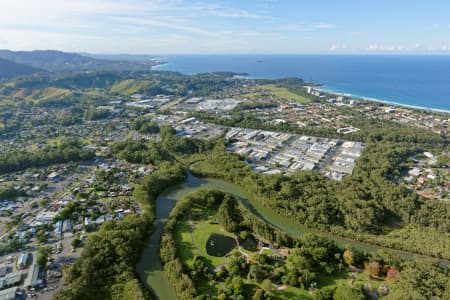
(279, 92)
(191, 238)
(38, 95)
(190, 245)
(292, 293)
(131, 86)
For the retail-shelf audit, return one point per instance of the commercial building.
(32, 278)
(23, 260)
(9, 280)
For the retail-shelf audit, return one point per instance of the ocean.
(412, 80)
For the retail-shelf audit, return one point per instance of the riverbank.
(296, 229)
(150, 268)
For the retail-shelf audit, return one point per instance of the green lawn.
(131, 86)
(292, 293)
(185, 249)
(202, 230)
(279, 92)
(204, 226)
(47, 94)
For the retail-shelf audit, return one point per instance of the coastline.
(322, 88)
(383, 101)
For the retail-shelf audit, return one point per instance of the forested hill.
(10, 69)
(57, 61)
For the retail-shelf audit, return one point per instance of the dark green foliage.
(176, 273)
(422, 280)
(10, 69)
(177, 145)
(42, 256)
(105, 269)
(93, 114)
(256, 273)
(249, 243)
(228, 215)
(152, 185)
(60, 62)
(313, 254)
(345, 292)
(67, 151)
(76, 242)
(9, 193)
(359, 207)
(199, 268)
(71, 211)
(139, 151)
(324, 294)
(145, 125)
(219, 245)
(256, 105)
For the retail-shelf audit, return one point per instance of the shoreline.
(322, 88)
(383, 101)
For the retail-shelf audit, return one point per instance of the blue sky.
(221, 26)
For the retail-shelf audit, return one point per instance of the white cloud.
(415, 48)
(308, 26)
(220, 10)
(142, 21)
(336, 47)
(178, 26)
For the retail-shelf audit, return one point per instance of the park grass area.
(204, 226)
(131, 86)
(361, 279)
(341, 278)
(292, 293)
(185, 248)
(279, 92)
(57, 141)
(49, 93)
(188, 245)
(94, 92)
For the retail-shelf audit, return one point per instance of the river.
(150, 269)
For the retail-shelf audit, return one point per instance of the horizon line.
(366, 53)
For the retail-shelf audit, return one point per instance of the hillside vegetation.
(10, 69)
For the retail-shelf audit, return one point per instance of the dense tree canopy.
(66, 151)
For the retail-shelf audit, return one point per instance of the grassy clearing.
(201, 234)
(47, 94)
(292, 293)
(185, 248)
(130, 86)
(190, 245)
(203, 224)
(279, 92)
(285, 93)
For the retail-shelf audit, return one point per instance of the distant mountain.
(57, 61)
(10, 69)
(122, 57)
